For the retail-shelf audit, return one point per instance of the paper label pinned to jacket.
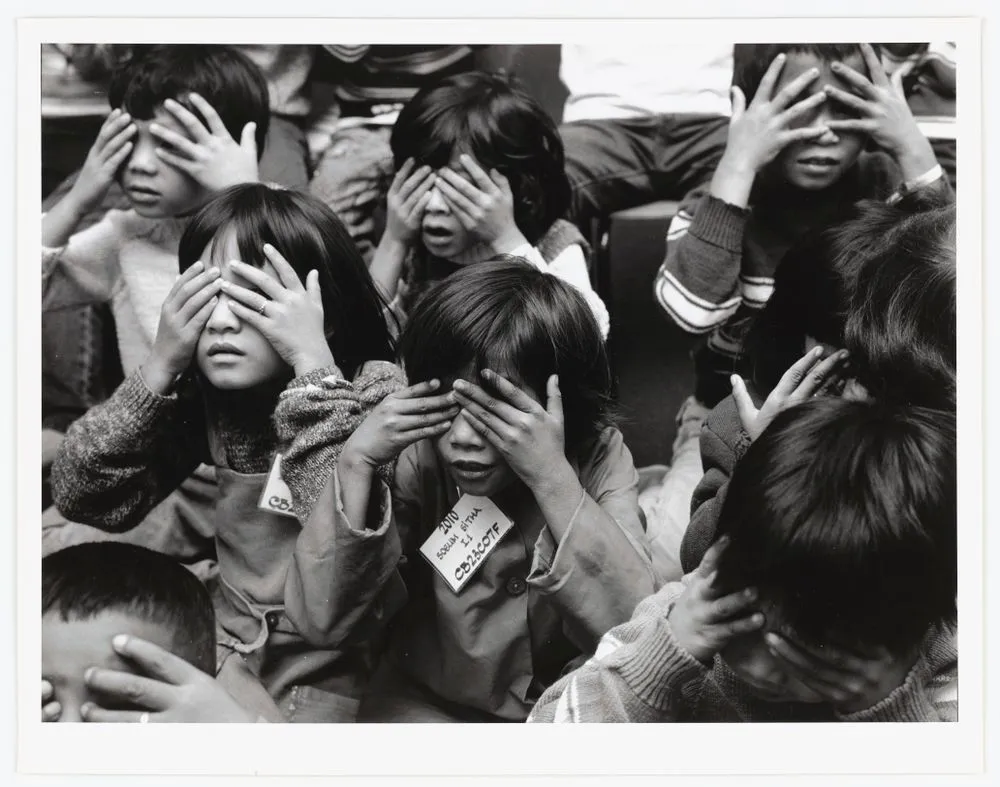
(463, 540)
(276, 497)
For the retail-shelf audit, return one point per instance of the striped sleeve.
(699, 283)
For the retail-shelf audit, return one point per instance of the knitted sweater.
(719, 268)
(127, 454)
(641, 674)
(131, 263)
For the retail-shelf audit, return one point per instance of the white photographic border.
(501, 750)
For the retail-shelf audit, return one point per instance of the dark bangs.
(309, 236)
(507, 316)
(502, 127)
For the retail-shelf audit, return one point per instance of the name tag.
(467, 535)
(276, 496)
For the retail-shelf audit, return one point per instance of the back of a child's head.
(496, 122)
(508, 316)
(309, 236)
(901, 329)
(751, 61)
(87, 580)
(225, 77)
(843, 515)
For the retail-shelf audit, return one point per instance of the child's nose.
(437, 203)
(143, 157)
(222, 319)
(462, 435)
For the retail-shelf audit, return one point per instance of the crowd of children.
(305, 468)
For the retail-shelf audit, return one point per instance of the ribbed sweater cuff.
(906, 703)
(720, 224)
(137, 397)
(658, 668)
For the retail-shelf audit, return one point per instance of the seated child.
(794, 159)
(108, 609)
(512, 524)
(272, 348)
(881, 285)
(830, 595)
(171, 142)
(479, 173)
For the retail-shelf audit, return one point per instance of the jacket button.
(272, 619)
(516, 586)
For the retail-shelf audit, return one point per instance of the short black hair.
(225, 77)
(843, 515)
(751, 61)
(901, 330)
(489, 116)
(506, 315)
(311, 237)
(86, 580)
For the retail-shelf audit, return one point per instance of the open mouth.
(818, 163)
(471, 471)
(436, 233)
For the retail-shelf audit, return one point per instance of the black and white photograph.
(502, 380)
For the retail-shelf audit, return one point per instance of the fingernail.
(86, 708)
(817, 351)
(459, 385)
(843, 354)
(750, 593)
(198, 265)
(126, 115)
(772, 639)
(120, 642)
(268, 247)
(88, 674)
(434, 383)
(758, 618)
(781, 56)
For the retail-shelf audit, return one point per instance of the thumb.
(744, 404)
(248, 139)
(899, 74)
(553, 404)
(738, 101)
(313, 290)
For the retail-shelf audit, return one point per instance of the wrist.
(733, 179)
(556, 478)
(77, 204)
(509, 239)
(311, 361)
(354, 461)
(915, 158)
(158, 376)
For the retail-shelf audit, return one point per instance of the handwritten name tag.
(276, 496)
(467, 535)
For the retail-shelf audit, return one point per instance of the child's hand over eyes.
(530, 437)
(401, 419)
(109, 151)
(485, 207)
(850, 681)
(170, 689)
(51, 709)
(408, 197)
(702, 619)
(759, 132)
(210, 156)
(289, 315)
(883, 113)
(810, 375)
(183, 316)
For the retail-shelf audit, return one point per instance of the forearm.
(342, 571)
(732, 181)
(59, 223)
(122, 458)
(316, 415)
(387, 265)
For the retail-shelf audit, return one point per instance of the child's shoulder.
(131, 226)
